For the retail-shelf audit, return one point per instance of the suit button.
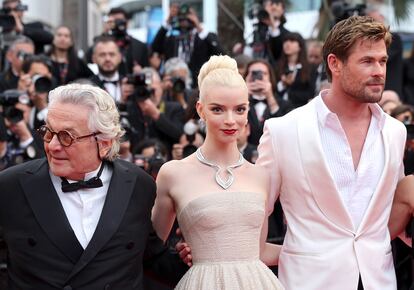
(107, 287)
(67, 287)
(32, 242)
(130, 245)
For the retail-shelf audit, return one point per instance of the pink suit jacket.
(322, 250)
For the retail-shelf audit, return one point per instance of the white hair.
(176, 63)
(103, 117)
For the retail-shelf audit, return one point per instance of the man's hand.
(287, 79)
(126, 90)
(149, 109)
(18, 23)
(184, 250)
(192, 16)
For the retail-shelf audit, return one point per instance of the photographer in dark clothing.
(264, 103)
(35, 30)
(134, 52)
(269, 31)
(19, 50)
(149, 115)
(183, 36)
(177, 81)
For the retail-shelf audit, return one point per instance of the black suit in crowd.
(66, 73)
(36, 32)
(43, 251)
(135, 52)
(275, 45)
(394, 79)
(256, 125)
(201, 51)
(8, 80)
(299, 92)
(408, 81)
(168, 128)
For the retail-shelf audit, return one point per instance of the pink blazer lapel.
(317, 172)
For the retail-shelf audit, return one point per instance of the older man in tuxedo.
(80, 219)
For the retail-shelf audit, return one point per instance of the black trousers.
(360, 287)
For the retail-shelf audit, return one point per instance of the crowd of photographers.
(154, 85)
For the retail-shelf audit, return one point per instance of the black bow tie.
(256, 101)
(94, 182)
(115, 83)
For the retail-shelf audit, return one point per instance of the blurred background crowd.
(147, 55)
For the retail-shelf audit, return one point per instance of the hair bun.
(216, 62)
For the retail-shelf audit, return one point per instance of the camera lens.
(42, 84)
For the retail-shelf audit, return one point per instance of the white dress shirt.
(83, 207)
(112, 89)
(355, 187)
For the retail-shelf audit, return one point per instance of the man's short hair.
(21, 39)
(103, 39)
(119, 10)
(346, 33)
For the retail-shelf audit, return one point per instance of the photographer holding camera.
(177, 81)
(134, 52)
(149, 115)
(264, 104)
(269, 32)
(19, 50)
(183, 36)
(36, 81)
(35, 30)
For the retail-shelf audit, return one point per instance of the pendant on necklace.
(219, 180)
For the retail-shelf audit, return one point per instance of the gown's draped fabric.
(223, 231)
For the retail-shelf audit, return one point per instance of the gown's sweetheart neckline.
(212, 194)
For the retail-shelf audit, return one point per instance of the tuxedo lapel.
(48, 210)
(116, 203)
(317, 172)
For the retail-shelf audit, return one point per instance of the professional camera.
(8, 100)
(190, 130)
(342, 10)
(142, 86)
(12, 97)
(23, 55)
(260, 18)
(7, 22)
(178, 85)
(181, 22)
(19, 7)
(42, 84)
(120, 29)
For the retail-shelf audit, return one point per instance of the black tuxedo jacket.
(256, 125)
(43, 251)
(201, 52)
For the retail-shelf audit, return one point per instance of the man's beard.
(107, 73)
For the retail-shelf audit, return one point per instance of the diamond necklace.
(223, 183)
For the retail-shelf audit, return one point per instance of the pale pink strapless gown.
(223, 231)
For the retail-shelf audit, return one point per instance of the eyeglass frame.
(72, 138)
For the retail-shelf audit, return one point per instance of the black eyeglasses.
(65, 138)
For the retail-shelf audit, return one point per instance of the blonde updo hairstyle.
(220, 70)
